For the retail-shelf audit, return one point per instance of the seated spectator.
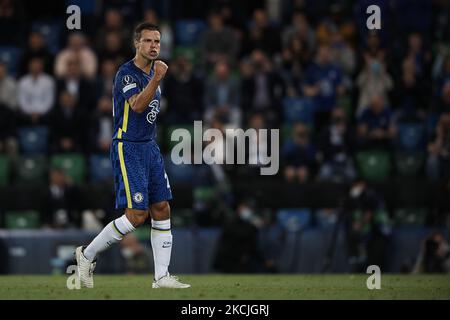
(443, 103)
(36, 94)
(104, 81)
(323, 83)
(373, 80)
(335, 149)
(68, 125)
(434, 256)
(222, 97)
(343, 54)
(299, 155)
(438, 163)
(113, 22)
(100, 127)
(262, 91)
(115, 49)
(375, 125)
(167, 41)
(217, 43)
(237, 248)
(137, 258)
(60, 203)
(183, 91)
(299, 29)
(8, 104)
(261, 35)
(36, 49)
(78, 85)
(410, 96)
(368, 227)
(77, 49)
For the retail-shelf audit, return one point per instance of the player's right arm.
(139, 102)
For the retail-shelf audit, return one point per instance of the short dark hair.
(144, 26)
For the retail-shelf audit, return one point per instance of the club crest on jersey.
(138, 197)
(151, 116)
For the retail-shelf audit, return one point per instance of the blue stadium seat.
(298, 110)
(33, 140)
(100, 168)
(294, 219)
(188, 32)
(410, 136)
(51, 31)
(11, 57)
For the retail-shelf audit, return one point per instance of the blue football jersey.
(130, 125)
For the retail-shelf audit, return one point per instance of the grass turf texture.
(226, 287)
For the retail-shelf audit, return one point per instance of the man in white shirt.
(36, 93)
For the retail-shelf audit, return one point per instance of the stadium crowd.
(349, 102)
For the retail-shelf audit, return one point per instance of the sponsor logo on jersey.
(151, 116)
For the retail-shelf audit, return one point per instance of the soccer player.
(141, 183)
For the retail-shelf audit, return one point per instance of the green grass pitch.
(226, 287)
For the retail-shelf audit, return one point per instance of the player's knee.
(160, 211)
(136, 217)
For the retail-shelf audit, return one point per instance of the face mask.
(246, 214)
(375, 66)
(127, 253)
(356, 191)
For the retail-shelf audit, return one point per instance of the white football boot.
(85, 268)
(169, 281)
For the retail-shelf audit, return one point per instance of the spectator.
(323, 84)
(263, 90)
(113, 22)
(342, 53)
(410, 96)
(115, 49)
(78, 85)
(438, 163)
(100, 128)
(217, 43)
(299, 29)
(261, 35)
(434, 256)
(375, 127)
(167, 39)
(68, 124)
(8, 104)
(299, 155)
(136, 257)
(443, 105)
(60, 203)
(222, 96)
(77, 49)
(36, 94)
(335, 150)
(373, 80)
(182, 89)
(104, 81)
(368, 228)
(37, 49)
(12, 22)
(238, 250)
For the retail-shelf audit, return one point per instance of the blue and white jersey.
(130, 125)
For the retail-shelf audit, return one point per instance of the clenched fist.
(160, 69)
